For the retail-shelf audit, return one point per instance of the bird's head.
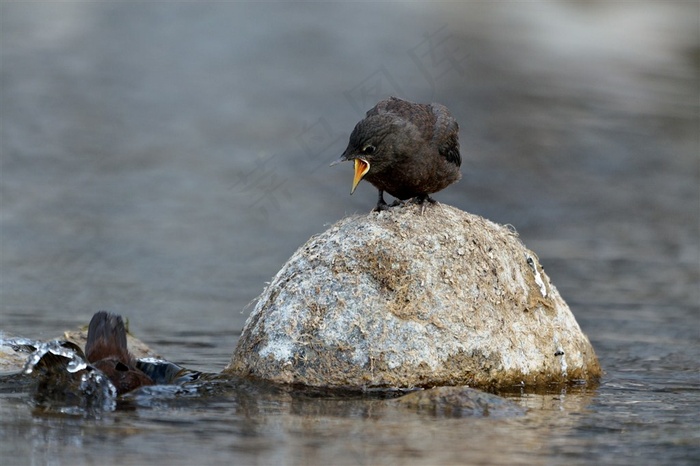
(371, 146)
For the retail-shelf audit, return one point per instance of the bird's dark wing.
(446, 134)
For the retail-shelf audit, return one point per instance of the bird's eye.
(368, 149)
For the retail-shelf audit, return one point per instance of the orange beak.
(361, 169)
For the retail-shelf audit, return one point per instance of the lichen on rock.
(411, 297)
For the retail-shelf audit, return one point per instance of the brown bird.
(106, 350)
(407, 149)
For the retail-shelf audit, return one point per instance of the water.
(163, 161)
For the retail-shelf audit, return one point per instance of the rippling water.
(164, 160)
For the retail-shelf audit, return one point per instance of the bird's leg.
(381, 203)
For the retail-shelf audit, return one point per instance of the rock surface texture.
(404, 299)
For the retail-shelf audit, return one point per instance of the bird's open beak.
(361, 169)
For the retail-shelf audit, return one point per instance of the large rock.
(405, 298)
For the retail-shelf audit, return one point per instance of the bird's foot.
(381, 203)
(423, 200)
(382, 206)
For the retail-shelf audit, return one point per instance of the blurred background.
(164, 160)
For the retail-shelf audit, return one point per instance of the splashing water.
(67, 382)
(57, 348)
